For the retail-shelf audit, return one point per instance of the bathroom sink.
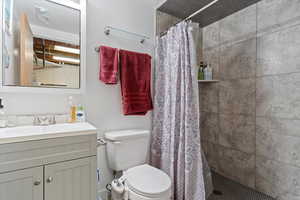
(23, 133)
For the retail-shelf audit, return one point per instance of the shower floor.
(233, 191)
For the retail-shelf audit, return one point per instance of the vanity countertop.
(28, 133)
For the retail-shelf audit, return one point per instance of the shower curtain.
(175, 145)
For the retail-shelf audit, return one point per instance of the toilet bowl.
(145, 182)
(127, 152)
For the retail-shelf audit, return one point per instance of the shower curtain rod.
(191, 16)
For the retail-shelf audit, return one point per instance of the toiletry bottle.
(3, 120)
(201, 72)
(80, 114)
(72, 110)
(208, 75)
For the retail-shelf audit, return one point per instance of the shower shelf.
(208, 81)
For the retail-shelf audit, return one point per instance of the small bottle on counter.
(72, 118)
(80, 114)
(3, 120)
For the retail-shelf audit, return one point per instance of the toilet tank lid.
(126, 134)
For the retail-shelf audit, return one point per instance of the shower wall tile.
(278, 96)
(237, 97)
(238, 26)
(208, 97)
(204, 147)
(238, 60)
(255, 53)
(238, 132)
(211, 36)
(199, 43)
(212, 58)
(213, 156)
(164, 21)
(288, 196)
(284, 127)
(275, 13)
(278, 147)
(237, 166)
(277, 179)
(209, 125)
(279, 52)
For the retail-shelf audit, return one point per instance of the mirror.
(41, 44)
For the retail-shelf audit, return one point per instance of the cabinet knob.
(36, 183)
(49, 179)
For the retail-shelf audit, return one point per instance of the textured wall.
(164, 21)
(251, 118)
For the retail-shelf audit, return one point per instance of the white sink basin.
(23, 133)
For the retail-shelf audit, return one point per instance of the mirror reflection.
(41, 44)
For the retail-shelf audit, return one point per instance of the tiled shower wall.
(164, 22)
(250, 120)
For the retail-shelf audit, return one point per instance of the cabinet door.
(23, 184)
(71, 180)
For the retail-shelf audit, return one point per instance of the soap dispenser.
(3, 120)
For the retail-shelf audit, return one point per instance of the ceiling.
(45, 49)
(221, 9)
(48, 14)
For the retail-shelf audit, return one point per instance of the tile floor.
(234, 191)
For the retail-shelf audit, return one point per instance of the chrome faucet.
(44, 120)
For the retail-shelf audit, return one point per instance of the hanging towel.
(135, 69)
(109, 61)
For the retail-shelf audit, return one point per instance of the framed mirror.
(42, 43)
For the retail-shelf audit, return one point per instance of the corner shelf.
(208, 81)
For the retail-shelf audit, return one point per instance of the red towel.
(135, 82)
(109, 61)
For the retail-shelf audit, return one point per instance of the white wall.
(54, 34)
(103, 102)
(159, 2)
(23, 103)
(65, 75)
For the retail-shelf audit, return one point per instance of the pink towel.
(109, 61)
(135, 82)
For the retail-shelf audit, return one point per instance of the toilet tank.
(127, 148)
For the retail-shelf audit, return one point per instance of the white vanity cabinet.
(24, 184)
(60, 166)
(71, 180)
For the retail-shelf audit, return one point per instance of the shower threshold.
(226, 189)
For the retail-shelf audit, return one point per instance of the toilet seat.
(148, 181)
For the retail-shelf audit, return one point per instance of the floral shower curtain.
(175, 146)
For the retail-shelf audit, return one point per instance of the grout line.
(255, 121)
(218, 92)
(278, 118)
(278, 74)
(279, 161)
(233, 148)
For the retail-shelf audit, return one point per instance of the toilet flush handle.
(103, 142)
(114, 141)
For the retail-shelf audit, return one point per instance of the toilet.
(127, 153)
